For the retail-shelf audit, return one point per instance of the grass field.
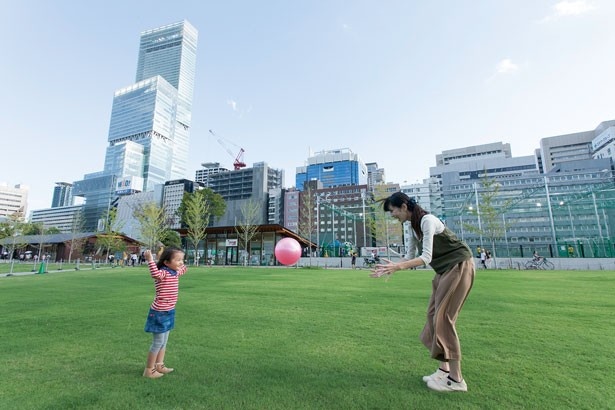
(281, 338)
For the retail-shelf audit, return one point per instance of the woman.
(452, 260)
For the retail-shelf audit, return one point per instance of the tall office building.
(62, 195)
(240, 187)
(150, 121)
(333, 168)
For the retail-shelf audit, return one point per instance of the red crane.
(238, 160)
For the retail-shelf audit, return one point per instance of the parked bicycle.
(370, 262)
(541, 263)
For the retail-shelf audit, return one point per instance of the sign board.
(231, 242)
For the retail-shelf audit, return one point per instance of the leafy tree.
(32, 228)
(13, 228)
(490, 211)
(196, 211)
(153, 224)
(384, 229)
(171, 238)
(196, 218)
(110, 240)
(248, 225)
(307, 218)
(77, 226)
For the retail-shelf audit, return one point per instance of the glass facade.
(170, 52)
(98, 190)
(62, 195)
(150, 120)
(558, 215)
(333, 174)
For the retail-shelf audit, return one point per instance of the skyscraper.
(62, 195)
(333, 168)
(150, 121)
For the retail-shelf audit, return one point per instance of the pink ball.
(288, 251)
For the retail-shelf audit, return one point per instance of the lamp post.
(318, 225)
(480, 227)
(597, 218)
(364, 228)
(574, 236)
(505, 235)
(553, 236)
(354, 229)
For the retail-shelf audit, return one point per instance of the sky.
(395, 81)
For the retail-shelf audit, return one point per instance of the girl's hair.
(397, 200)
(167, 255)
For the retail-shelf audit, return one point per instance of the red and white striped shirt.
(167, 287)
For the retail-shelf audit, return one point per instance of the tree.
(196, 211)
(171, 238)
(110, 240)
(489, 210)
(153, 223)
(77, 226)
(385, 230)
(196, 218)
(307, 218)
(13, 228)
(248, 225)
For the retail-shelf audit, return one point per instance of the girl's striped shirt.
(167, 286)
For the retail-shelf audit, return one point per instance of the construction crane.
(238, 160)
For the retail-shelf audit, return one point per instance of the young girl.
(453, 262)
(161, 317)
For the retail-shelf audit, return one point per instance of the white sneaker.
(438, 374)
(445, 385)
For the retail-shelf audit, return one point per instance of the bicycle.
(370, 262)
(540, 264)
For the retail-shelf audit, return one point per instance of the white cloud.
(346, 27)
(237, 109)
(569, 8)
(572, 8)
(506, 66)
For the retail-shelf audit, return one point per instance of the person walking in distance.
(452, 260)
(161, 316)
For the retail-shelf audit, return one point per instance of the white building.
(13, 199)
(603, 146)
(65, 218)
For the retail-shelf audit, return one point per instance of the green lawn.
(281, 338)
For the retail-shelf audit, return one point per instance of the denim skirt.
(160, 322)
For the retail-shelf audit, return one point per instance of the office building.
(375, 175)
(13, 199)
(209, 168)
(67, 219)
(276, 207)
(62, 195)
(603, 145)
(339, 167)
(244, 187)
(150, 121)
(172, 196)
(483, 151)
(563, 148)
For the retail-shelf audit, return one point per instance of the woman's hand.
(148, 255)
(385, 269)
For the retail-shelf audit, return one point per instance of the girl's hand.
(148, 255)
(381, 270)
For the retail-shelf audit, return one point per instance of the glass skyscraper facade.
(150, 121)
(62, 195)
(333, 168)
